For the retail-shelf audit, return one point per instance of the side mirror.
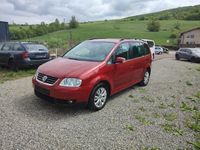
(120, 60)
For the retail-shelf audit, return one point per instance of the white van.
(151, 44)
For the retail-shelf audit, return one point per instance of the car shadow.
(40, 109)
(44, 110)
(123, 92)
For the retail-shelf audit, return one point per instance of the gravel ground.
(137, 118)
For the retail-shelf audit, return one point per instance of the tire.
(192, 59)
(153, 56)
(12, 65)
(177, 57)
(98, 97)
(146, 78)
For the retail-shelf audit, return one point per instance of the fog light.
(71, 101)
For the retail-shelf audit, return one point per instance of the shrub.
(153, 25)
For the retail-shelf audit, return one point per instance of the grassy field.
(6, 74)
(120, 29)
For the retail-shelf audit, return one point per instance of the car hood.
(63, 67)
(197, 54)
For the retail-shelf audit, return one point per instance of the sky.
(36, 11)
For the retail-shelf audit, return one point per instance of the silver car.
(191, 54)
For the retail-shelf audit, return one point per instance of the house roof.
(198, 28)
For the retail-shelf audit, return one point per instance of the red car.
(93, 70)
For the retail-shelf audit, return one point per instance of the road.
(136, 118)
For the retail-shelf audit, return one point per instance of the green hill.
(172, 22)
(118, 29)
(182, 13)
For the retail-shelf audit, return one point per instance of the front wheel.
(98, 97)
(146, 78)
(177, 57)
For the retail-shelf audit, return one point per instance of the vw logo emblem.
(44, 78)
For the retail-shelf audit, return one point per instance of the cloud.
(36, 11)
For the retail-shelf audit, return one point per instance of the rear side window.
(123, 50)
(150, 43)
(182, 50)
(188, 51)
(18, 47)
(36, 47)
(146, 49)
(7, 47)
(138, 49)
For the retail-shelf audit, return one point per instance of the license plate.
(42, 90)
(40, 56)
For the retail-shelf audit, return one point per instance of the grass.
(185, 107)
(120, 29)
(170, 116)
(172, 128)
(156, 115)
(172, 105)
(196, 144)
(198, 69)
(129, 127)
(142, 120)
(162, 106)
(194, 124)
(189, 83)
(148, 99)
(6, 74)
(142, 109)
(150, 148)
(197, 95)
(131, 96)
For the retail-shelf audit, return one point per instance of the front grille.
(46, 79)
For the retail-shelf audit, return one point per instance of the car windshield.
(90, 51)
(150, 43)
(196, 50)
(36, 47)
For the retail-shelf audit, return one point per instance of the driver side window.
(123, 51)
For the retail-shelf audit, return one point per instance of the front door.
(122, 71)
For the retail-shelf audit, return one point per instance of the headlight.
(71, 82)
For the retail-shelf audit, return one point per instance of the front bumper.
(80, 94)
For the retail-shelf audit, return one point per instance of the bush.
(153, 26)
(173, 35)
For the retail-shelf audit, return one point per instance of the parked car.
(158, 50)
(165, 50)
(151, 45)
(23, 54)
(93, 70)
(192, 54)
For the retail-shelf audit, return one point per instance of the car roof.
(115, 40)
(147, 40)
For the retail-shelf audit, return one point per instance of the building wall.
(4, 33)
(191, 38)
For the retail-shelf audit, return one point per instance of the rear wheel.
(146, 78)
(192, 59)
(12, 65)
(98, 97)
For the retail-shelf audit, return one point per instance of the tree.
(153, 25)
(73, 22)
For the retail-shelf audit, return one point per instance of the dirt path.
(137, 118)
